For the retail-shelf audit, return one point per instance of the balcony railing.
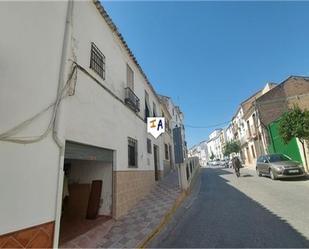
(251, 133)
(132, 100)
(235, 129)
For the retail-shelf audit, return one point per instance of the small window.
(97, 61)
(154, 109)
(147, 106)
(132, 152)
(166, 151)
(130, 78)
(149, 146)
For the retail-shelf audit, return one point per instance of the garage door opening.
(87, 190)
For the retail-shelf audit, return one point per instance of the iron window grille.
(149, 146)
(132, 152)
(97, 61)
(132, 100)
(147, 111)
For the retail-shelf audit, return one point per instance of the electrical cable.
(206, 127)
(7, 136)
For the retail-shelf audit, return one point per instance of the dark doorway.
(155, 156)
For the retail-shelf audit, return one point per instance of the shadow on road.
(222, 216)
(298, 179)
(293, 179)
(246, 175)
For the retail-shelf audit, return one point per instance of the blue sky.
(209, 56)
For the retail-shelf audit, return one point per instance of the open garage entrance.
(87, 189)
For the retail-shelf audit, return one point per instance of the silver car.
(278, 166)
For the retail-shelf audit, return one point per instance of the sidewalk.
(130, 230)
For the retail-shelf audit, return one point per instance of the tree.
(231, 147)
(212, 156)
(295, 123)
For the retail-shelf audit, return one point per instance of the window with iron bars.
(132, 152)
(149, 146)
(97, 61)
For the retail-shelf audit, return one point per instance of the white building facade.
(78, 102)
(215, 144)
(201, 151)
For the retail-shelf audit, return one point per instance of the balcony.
(251, 132)
(235, 129)
(132, 100)
(242, 140)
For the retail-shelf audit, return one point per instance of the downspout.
(57, 124)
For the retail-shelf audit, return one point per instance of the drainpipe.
(60, 141)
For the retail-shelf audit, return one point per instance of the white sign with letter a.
(156, 126)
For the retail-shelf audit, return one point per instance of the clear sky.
(209, 56)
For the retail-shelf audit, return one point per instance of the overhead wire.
(207, 126)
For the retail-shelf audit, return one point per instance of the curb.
(167, 216)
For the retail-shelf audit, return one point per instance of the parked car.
(224, 163)
(215, 162)
(278, 166)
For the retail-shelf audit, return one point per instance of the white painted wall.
(229, 134)
(30, 48)
(92, 106)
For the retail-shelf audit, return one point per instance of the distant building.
(73, 110)
(252, 143)
(200, 150)
(270, 106)
(215, 144)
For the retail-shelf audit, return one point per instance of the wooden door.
(94, 199)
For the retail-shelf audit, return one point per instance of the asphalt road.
(250, 211)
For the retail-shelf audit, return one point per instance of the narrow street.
(225, 211)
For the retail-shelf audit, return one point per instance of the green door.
(278, 146)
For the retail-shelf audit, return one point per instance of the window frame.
(147, 106)
(132, 143)
(130, 72)
(154, 109)
(166, 152)
(149, 146)
(253, 151)
(97, 57)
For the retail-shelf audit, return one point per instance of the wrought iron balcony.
(251, 132)
(132, 100)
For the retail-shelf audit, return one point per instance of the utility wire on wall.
(8, 136)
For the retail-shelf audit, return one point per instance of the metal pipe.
(59, 114)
